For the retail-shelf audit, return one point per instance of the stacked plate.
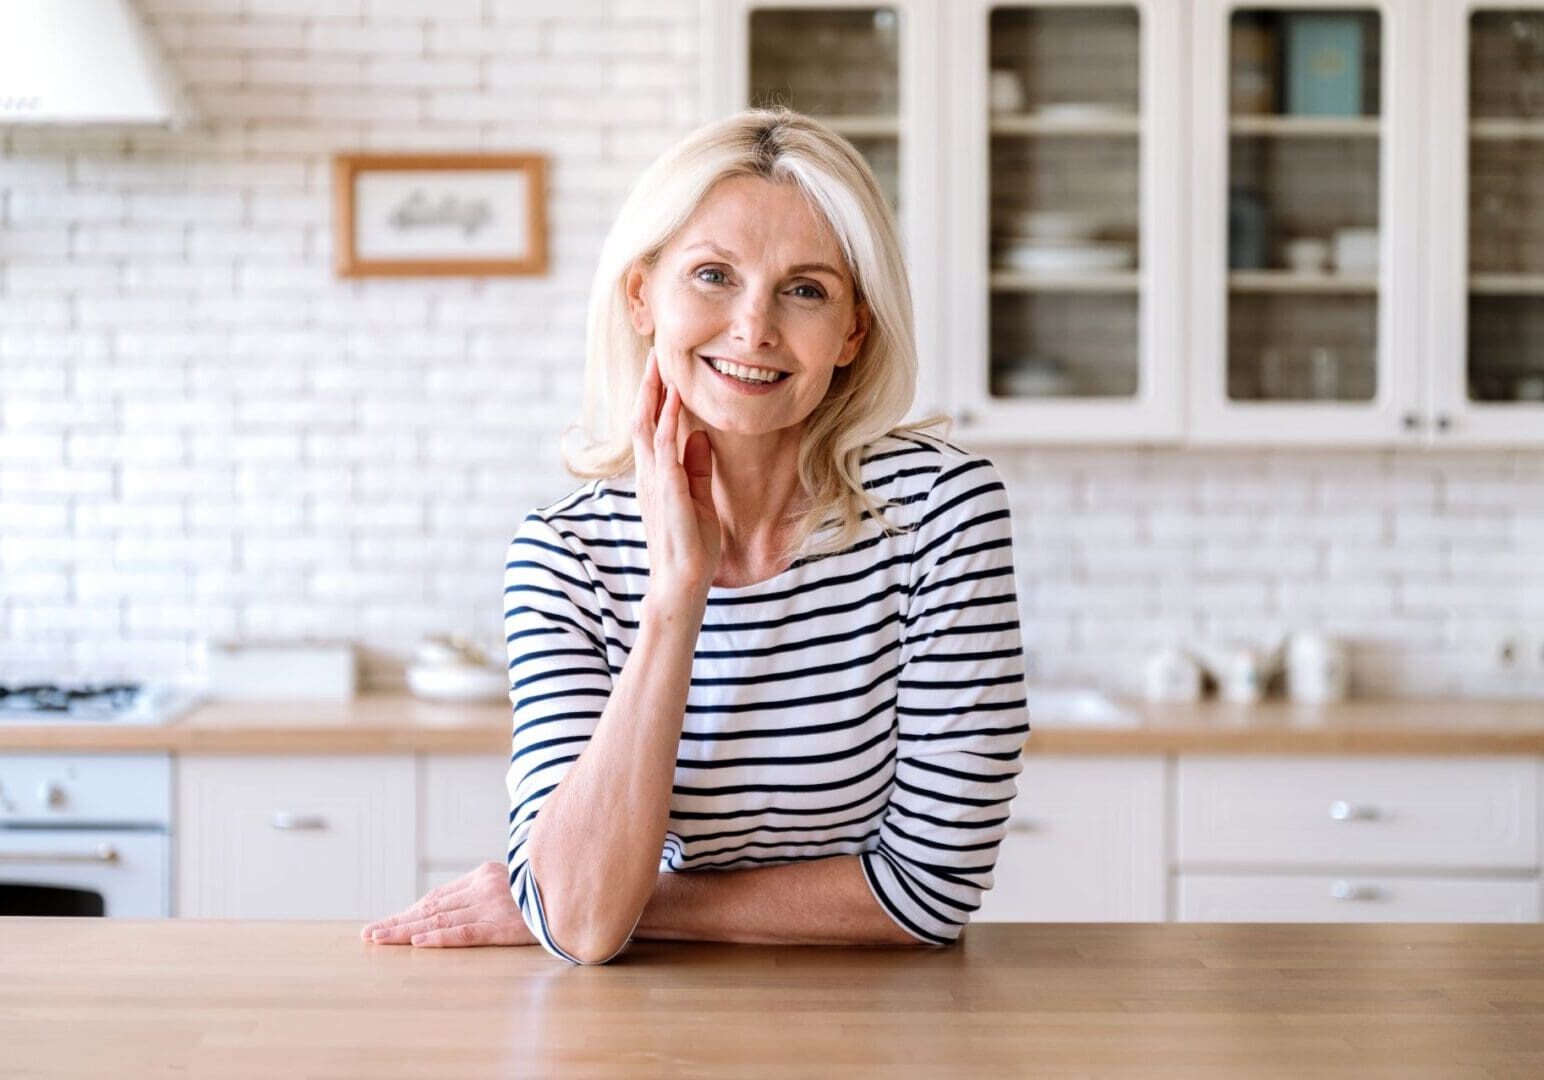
(1056, 242)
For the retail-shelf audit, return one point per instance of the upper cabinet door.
(1064, 292)
(869, 71)
(1485, 310)
(1306, 212)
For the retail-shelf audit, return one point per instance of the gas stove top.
(94, 703)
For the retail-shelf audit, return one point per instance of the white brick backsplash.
(469, 10)
(512, 38)
(458, 73)
(107, 518)
(320, 72)
(40, 450)
(90, 448)
(371, 39)
(204, 431)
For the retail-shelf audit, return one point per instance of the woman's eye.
(815, 291)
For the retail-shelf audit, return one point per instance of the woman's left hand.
(475, 909)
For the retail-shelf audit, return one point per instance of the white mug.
(1318, 671)
(1172, 675)
(1241, 674)
(1005, 91)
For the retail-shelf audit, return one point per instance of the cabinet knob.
(965, 417)
(1444, 422)
(1412, 421)
(1023, 825)
(1340, 810)
(283, 819)
(1345, 890)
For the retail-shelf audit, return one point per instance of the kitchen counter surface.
(387, 723)
(130, 998)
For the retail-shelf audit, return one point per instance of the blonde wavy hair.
(867, 399)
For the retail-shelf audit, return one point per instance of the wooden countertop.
(393, 723)
(133, 998)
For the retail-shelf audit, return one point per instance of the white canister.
(1005, 91)
(1241, 673)
(1318, 671)
(1172, 675)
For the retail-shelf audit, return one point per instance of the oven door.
(119, 872)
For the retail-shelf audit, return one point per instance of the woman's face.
(755, 279)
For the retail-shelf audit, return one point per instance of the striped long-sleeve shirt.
(867, 703)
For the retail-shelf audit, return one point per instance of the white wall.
(203, 432)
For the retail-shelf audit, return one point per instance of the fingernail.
(377, 934)
(419, 939)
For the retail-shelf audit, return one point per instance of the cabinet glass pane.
(1064, 94)
(1304, 167)
(1506, 206)
(841, 65)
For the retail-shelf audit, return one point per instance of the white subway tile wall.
(203, 432)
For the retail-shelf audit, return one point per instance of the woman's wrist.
(673, 611)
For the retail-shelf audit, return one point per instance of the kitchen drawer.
(1353, 898)
(322, 837)
(465, 808)
(1411, 813)
(1084, 844)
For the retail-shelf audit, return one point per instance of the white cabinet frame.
(1394, 413)
(1458, 420)
(1154, 414)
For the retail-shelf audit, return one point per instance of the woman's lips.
(743, 387)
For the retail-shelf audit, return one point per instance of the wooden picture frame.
(439, 215)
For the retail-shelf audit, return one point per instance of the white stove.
(95, 703)
(87, 833)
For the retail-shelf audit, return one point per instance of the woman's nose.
(755, 322)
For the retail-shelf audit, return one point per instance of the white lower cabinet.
(465, 814)
(324, 837)
(1358, 898)
(1353, 839)
(1085, 843)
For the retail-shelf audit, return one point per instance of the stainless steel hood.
(77, 62)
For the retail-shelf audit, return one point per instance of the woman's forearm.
(811, 902)
(595, 845)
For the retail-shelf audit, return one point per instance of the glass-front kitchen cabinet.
(1196, 221)
(1305, 197)
(1066, 206)
(1485, 224)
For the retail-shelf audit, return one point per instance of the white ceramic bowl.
(1067, 258)
(1049, 225)
(457, 682)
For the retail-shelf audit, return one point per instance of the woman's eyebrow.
(801, 268)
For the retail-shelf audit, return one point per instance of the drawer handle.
(1345, 890)
(283, 819)
(104, 853)
(1023, 825)
(1340, 810)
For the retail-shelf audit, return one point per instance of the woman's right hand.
(475, 909)
(675, 497)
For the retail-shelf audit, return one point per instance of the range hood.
(69, 62)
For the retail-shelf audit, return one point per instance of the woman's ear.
(862, 320)
(637, 300)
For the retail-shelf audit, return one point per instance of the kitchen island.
(129, 998)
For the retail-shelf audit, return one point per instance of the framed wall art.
(428, 215)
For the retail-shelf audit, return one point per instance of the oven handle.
(105, 853)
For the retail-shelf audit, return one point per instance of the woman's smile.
(745, 379)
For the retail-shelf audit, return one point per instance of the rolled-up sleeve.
(559, 685)
(960, 711)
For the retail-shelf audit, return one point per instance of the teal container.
(1324, 64)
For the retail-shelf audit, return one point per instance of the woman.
(776, 636)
